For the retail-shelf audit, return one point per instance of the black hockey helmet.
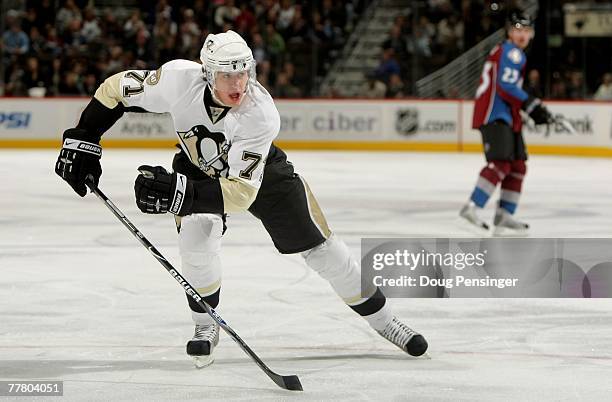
(519, 20)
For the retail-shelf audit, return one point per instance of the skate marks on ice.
(112, 325)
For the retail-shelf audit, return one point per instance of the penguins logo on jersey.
(207, 150)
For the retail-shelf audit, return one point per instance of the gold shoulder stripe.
(109, 92)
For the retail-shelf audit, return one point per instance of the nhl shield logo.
(407, 121)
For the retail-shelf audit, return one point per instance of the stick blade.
(289, 382)
(568, 126)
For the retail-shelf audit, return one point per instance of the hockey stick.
(567, 125)
(290, 382)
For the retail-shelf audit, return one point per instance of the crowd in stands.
(68, 47)
(71, 49)
(428, 37)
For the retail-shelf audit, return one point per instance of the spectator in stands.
(54, 43)
(425, 26)
(142, 48)
(604, 92)
(298, 31)
(133, 24)
(166, 49)
(486, 28)
(14, 80)
(202, 12)
(111, 28)
(33, 77)
(372, 88)
(15, 42)
(276, 44)
(387, 67)
(38, 44)
(259, 48)
(163, 8)
(45, 15)
(263, 74)
(228, 12)
(90, 84)
(289, 70)
(72, 34)
(558, 90)
(396, 87)
(420, 42)
(29, 20)
(533, 86)
(285, 15)
(396, 42)
(69, 12)
(190, 36)
(284, 88)
(91, 29)
(69, 84)
(335, 15)
(56, 76)
(575, 87)
(450, 36)
(245, 21)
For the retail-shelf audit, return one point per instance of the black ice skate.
(405, 338)
(201, 347)
(506, 225)
(468, 212)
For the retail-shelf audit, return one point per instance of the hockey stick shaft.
(567, 125)
(290, 382)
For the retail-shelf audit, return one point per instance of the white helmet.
(226, 52)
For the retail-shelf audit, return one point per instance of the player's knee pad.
(200, 237)
(333, 261)
(200, 247)
(329, 259)
(502, 168)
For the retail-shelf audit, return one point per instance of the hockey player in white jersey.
(225, 122)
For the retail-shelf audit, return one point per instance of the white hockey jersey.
(230, 144)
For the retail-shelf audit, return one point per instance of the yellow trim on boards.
(331, 145)
(569, 150)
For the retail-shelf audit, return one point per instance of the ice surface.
(83, 302)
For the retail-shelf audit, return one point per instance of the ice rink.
(82, 301)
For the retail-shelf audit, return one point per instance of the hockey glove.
(78, 159)
(538, 112)
(158, 191)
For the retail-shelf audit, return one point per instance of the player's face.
(230, 87)
(521, 36)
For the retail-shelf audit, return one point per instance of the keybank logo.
(12, 120)
(583, 125)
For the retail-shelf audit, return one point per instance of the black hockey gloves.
(158, 191)
(538, 112)
(79, 158)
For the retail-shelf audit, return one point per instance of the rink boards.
(389, 125)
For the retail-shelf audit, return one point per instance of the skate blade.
(468, 226)
(507, 232)
(203, 361)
